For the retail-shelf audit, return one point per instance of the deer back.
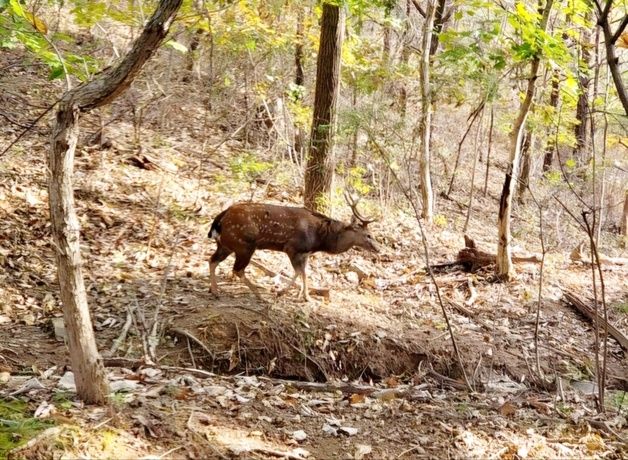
(249, 226)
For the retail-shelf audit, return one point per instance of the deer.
(298, 232)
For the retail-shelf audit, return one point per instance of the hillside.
(366, 370)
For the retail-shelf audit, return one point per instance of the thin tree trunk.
(299, 80)
(477, 148)
(503, 267)
(474, 117)
(582, 106)
(425, 125)
(624, 220)
(526, 152)
(604, 142)
(439, 22)
(489, 149)
(548, 157)
(356, 131)
(405, 58)
(610, 39)
(87, 365)
(320, 163)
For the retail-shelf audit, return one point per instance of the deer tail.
(216, 227)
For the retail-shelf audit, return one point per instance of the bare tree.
(610, 38)
(87, 365)
(624, 220)
(320, 163)
(550, 147)
(503, 267)
(425, 124)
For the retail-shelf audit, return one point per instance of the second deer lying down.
(245, 227)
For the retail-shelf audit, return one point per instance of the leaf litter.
(377, 347)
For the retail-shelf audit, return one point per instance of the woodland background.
(436, 113)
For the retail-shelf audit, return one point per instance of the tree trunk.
(439, 22)
(624, 220)
(582, 106)
(299, 80)
(503, 267)
(425, 125)
(320, 163)
(548, 157)
(404, 59)
(610, 39)
(526, 153)
(87, 365)
(476, 149)
(489, 149)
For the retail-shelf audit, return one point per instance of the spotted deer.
(245, 227)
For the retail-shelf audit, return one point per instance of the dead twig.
(125, 330)
(468, 313)
(595, 318)
(325, 293)
(188, 335)
(196, 372)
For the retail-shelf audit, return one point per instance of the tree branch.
(619, 31)
(418, 7)
(114, 80)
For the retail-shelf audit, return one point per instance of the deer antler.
(353, 204)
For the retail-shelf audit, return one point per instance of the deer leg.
(293, 281)
(241, 262)
(299, 263)
(221, 254)
(304, 290)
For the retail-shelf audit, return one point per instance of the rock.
(59, 328)
(299, 436)
(67, 382)
(352, 277)
(349, 430)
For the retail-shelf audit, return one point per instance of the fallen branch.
(47, 436)
(127, 363)
(277, 453)
(325, 387)
(589, 312)
(188, 335)
(312, 290)
(447, 381)
(125, 330)
(469, 314)
(474, 258)
(579, 255)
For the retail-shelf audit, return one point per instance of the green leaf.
(56, 72)
(17, 8)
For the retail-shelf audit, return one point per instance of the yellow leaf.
(622, 42)
(37, 23)
(356, 398)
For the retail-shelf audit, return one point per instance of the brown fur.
(245, 227)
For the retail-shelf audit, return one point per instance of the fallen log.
(595, 318)
(473, 258)
(580, 254)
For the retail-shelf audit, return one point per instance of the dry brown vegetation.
(240, 392)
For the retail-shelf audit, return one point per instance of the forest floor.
(230, 375)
